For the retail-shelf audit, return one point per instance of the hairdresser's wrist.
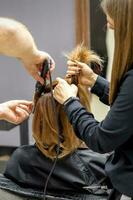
(69, 100)
(93, 79)
(31, 56)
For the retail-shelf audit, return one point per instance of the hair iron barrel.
(39, 88)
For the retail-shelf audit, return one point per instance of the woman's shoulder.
(128, 76)
(130, 72)
(127, 84)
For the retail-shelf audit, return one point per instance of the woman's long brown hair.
(121, 11)
(44, 123)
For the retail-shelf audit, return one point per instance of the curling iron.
(39, 88)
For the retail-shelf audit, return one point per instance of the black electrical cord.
(58, 139)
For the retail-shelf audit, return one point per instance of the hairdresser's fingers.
(12, 104)
(75, 89)
(20, 115)
(44, 56)
(64, 91)
(71, 63)
(37, 77)
(85, 70)
(25, 102)
(75, 64)
(60, 91)
(26, 108)
(74, 68)
(60, 80)
(52, 64)
(34, 70)
(81, 64)
(16, 115)
(63, 85)
(72, 71)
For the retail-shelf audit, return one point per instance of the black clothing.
(115, 195)
(29, 168)
(115, 132)
(11, 188)
(101, 89)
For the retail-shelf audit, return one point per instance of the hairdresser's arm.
(98, 85)
(15, 111)
(113, 131)
(101, 89)
(17, 41)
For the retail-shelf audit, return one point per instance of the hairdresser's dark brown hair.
(121, 11)
(44, 123)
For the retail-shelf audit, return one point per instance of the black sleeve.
(114, 130)
(101, 89)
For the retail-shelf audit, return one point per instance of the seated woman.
(78, 170)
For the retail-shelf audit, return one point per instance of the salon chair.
(23, 130)
(6, 151)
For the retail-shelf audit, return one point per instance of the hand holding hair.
(86, 74)
(64, 91)
(33, 66)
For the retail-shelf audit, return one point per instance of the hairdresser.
(115, 133)
(17, 41)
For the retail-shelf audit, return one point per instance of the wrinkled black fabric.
(29, 168)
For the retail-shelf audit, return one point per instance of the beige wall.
(100, 110)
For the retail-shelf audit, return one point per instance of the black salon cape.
(29, 169)
(115, 132)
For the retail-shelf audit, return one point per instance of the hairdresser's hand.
(15, 111)
(64, 91)
(33, 64)
(86, 75)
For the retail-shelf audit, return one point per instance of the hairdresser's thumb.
(75, 89)
(60, 80)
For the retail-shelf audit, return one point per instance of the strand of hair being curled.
(82, 54)
(44, 125)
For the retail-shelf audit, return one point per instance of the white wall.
(100, 110)
(110, 49)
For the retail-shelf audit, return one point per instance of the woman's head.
(121, 14)
(45, 130)
(117, 10)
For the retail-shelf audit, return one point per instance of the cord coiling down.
(58, 138)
